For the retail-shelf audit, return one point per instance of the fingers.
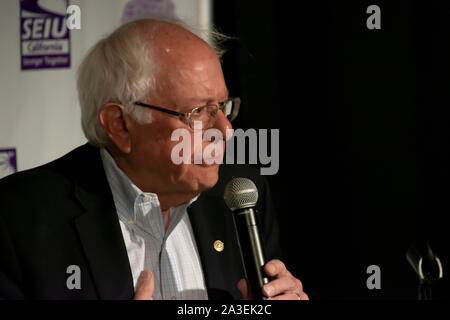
(275, 268)
(145, 286)
(291, 296)
(243, 289)
(304, 296)
(281, 285)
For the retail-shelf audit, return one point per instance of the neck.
(166, 219)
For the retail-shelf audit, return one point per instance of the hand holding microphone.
(241, 196)
(284, 285)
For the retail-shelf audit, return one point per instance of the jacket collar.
(98, 227)
(212, 221)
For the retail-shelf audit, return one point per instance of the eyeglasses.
(205, 114)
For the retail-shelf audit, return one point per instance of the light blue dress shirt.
(171, 255)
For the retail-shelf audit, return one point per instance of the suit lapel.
(99, 232)
(212, 221)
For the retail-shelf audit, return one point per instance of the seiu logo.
(44, 28)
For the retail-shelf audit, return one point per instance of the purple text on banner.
(44, 36)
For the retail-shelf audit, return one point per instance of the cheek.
(162, 156)
(195, 174)
(157, 141)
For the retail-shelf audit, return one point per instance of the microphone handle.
(251, 250)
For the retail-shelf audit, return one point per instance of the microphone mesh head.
(240, 193)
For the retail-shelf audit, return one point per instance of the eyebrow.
(227, 95)
(206, 101)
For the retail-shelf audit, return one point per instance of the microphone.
(241, 196)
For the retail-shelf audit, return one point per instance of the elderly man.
(117, 218)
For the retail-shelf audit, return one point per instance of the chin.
(207, 177)
(196, 178)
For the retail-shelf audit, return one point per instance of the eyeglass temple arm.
(175, 113)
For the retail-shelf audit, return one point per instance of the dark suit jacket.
(63, 213)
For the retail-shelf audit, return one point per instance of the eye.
(213, 112)
(197, 111)
(222, 104)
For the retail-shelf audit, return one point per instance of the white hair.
(119, 69)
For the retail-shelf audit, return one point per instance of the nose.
(224, 125)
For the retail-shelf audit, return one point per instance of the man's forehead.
(165, 34)
(207, 98)
(185, 66)
(200, 98)
(183, 51)
(190, 72)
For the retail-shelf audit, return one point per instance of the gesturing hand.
(145, 286)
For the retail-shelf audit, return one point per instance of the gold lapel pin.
(218, 246)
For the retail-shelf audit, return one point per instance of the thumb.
(145, 286)
(243, 289)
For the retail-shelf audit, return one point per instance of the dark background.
(364, 133)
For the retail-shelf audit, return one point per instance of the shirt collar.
(135, 206)
(123, 189)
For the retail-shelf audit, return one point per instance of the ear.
(112, 119)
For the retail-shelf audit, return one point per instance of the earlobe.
(112, 120)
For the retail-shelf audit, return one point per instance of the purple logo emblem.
(139, 9)
(8, 163)
(44, 36)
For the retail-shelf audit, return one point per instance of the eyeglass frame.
(187, 115)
